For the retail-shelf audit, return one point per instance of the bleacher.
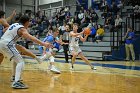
(111, 40)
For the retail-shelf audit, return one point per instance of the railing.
(117, 36)
(123, 29)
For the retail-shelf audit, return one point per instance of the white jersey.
(74, 44)
(7, 43)
(11, 34)
(74, 41)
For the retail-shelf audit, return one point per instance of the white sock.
(19, 69)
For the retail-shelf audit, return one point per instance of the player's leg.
(25, 51)
(52, 66)
(50, 56)
(13, 71)
(19, 63)
(86, 60)
(12, 53)
(74, 55)
(1, 57)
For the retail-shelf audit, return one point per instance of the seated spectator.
(99, 34)
(120, 4)
(80, 15)
(62, 28)
(94, 16)
(137, 12)
(39, 28)
(114, 9)
(109, 22)
(93, 32)
(76, 20)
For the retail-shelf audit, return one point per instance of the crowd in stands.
(42, 25)
(85, 18)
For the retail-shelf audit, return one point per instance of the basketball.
(87, 31)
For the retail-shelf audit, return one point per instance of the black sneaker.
(19, 85)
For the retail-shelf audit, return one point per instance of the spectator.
(76, 20)
(137, 12)
(129, 36)
(114, 9)
(118, 21)
(99, 34)
(80, 15)
(62, 28)
(93, 31)
(39, 28)
(94, 16)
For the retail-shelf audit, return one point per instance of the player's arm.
(11, 16)
(74, 34)
(24, 33)
(44, 48)
(59, 40)
(83, 39)
(5, 24)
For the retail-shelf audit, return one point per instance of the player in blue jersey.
(48, 53)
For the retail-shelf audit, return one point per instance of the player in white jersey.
(8, 42)
(74, 46)
(20, 48)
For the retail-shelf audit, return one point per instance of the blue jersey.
(51, 40)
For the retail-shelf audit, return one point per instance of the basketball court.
(110, 77)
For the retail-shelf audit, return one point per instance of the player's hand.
(82, 32)
(44, 52)
(47, 45)
(51, 46)
(86, 35)
(14, 12)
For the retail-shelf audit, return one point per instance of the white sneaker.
(54, 69)
(49, 67)
(61, 50)
(93, 68)
(71, 68)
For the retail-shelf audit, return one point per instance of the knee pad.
(51, 59)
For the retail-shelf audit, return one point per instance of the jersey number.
(12, 27)
(76, 39)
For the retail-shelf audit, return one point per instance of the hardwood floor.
(81, 80)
